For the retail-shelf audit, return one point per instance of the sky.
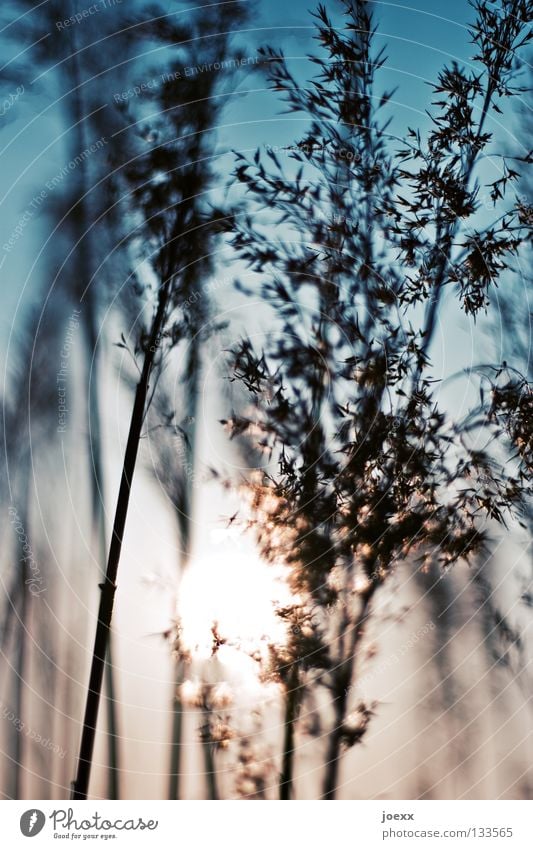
(419, 39)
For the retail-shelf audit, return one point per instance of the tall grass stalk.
(184, 517)
(86, 288)
(108, 587)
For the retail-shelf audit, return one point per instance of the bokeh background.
(450, 652)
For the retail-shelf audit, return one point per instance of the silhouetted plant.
(366, 469)
(172, 441)
(506, 622)
(169, 231)
(79, 58)
(28, 423)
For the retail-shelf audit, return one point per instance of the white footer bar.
(268, 825)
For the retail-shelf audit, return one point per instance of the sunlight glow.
(228, 584)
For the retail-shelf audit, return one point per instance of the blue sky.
(420, 38)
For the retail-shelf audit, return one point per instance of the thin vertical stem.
(20, 682)
(291, 715)
(209, 761)
(174, 789)
(108, 588)
(184, 521)
(434, 303)
(344, 679)
(86, 286)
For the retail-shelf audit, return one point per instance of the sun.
(228, 583)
